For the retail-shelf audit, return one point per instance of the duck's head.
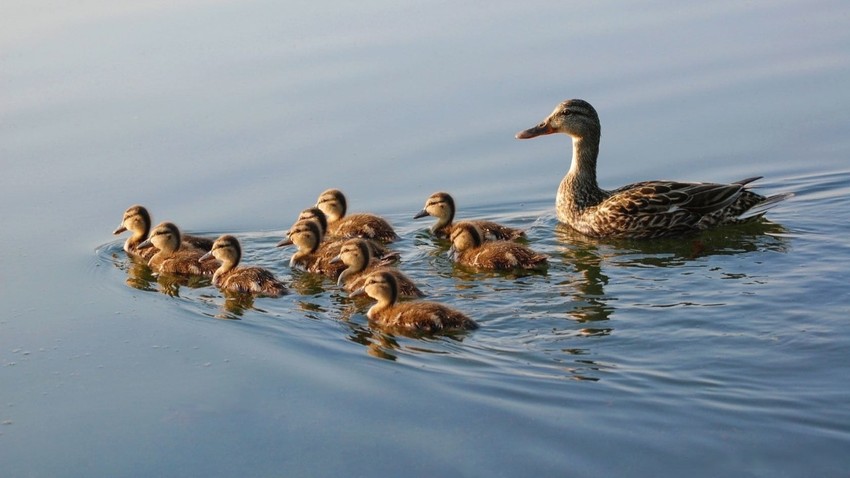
(305, 234)
(136, 219)
(225, 249)
(381, 286)
(440, 205)
(465, 236)
(354, 253)
(332, 203)
(165, 237)
(573, 117)
(315, 214)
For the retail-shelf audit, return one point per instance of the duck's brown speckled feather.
(230, 276)
(363, 225)
(357, 257)
(182, 262)
(368, 226)
(137, 220)
(250, 280)
(471, 250)
(501, 255)
(414, 317)
(421, 317)
(171, 258)
(644, 210)
(441, 205)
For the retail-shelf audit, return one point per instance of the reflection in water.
(587, 256)
(589, 296)
(139, 275)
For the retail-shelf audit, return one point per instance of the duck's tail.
(762, 207)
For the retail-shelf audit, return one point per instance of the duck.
(137, 220)
(470, 249)
(644, 210)
(378, 249)
(356, 255)
(312, 255)
(171, 257)
(442, 206)
(368, 226)
(410, 317)
(230, 276)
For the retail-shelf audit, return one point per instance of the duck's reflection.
(590, 257)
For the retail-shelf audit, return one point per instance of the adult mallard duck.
(642, 210)
(416, 317)
(171, 258)
(442, 206)
(369, 226)
(137, 220)
(230, 276)
(357, 256)
(470, 249)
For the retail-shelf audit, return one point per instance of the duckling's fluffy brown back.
(367, 226)
(421, 317)
(182, 262)
(250, 280)
(501, 255)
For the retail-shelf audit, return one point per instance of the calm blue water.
(720, 355)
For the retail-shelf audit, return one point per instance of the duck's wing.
(660, 197)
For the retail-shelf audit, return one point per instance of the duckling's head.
(332, 203)
(315, 214)
(440, 205)
(136, 219)
(165, 237)
(305, 234)
(225, 249)
(354, 253)
(573, 117)
(465, 236)
(381, 286)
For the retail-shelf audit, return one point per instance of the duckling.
(230, 276)
(470, 249)
(171, 257)
(356, 255)
(644, 210)
(312, 255)
(442, 206)
(409, 317)
(332, 202)
(138, 221)
(377, 249)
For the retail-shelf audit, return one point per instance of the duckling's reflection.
(139, 275)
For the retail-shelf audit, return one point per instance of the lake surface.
(723, 354)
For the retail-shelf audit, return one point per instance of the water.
(724, 354)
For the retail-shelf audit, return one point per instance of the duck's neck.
(226, 266)
(443, 221)
(383, 304)
(579, 189)
(137, 237)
